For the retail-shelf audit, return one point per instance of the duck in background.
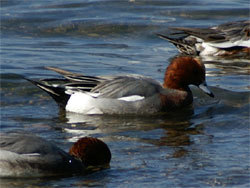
(129, 94)
(227, 39)
(26, 155)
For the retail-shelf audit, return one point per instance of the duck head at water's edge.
(127, 94)
(92, 152)
(25, 156)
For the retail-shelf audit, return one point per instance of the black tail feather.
(184, 46)
(56, 92)
(172, 40)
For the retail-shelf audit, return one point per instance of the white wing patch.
(131, 98)
(31, 154)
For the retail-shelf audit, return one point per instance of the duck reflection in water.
(175, 129)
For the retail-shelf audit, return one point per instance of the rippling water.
(204, 147)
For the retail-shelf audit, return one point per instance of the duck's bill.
(205, 89)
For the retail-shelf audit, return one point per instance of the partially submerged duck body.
(227, 39)
(26, 155)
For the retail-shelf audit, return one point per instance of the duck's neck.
(174, 99)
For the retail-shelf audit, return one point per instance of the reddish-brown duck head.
(184, 71)
(91, 151)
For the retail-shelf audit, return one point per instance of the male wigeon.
(226, 39)
(26, 155)
(129, 94)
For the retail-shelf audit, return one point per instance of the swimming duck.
(128, 94)
(226, 39)
(26, 155)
